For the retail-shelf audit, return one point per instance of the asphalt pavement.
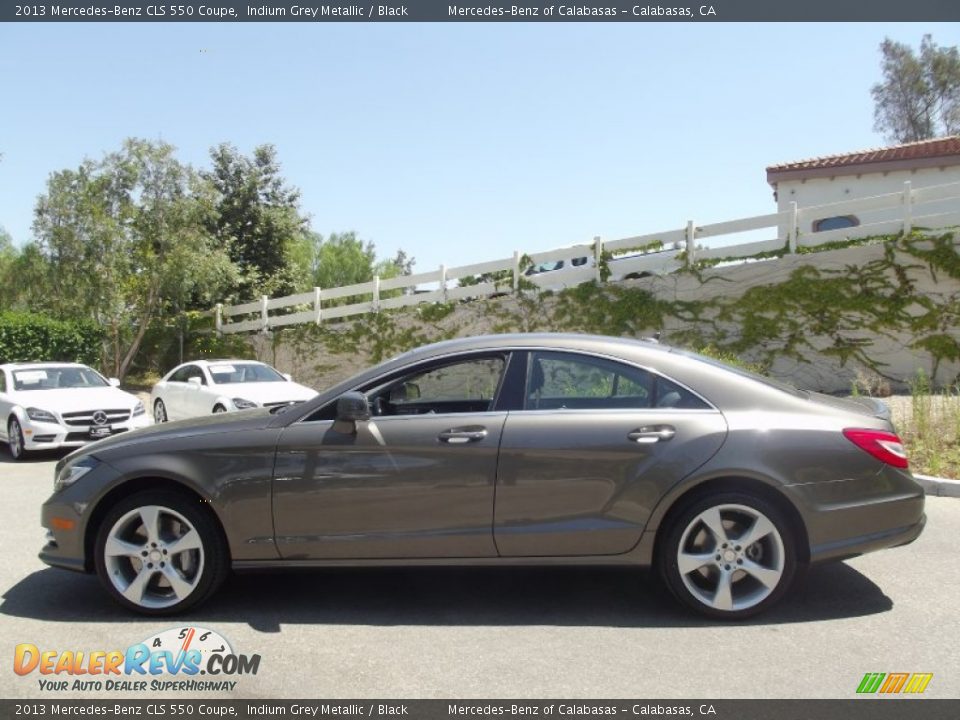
(506, 633)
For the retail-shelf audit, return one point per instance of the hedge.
(25, 337)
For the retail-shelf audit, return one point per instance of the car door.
(175, 394)
(415, 481)
(590, 453)
(6, 404)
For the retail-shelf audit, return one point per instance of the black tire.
(218, 408)
(774, 552)
(17, 449)
(209, 574)
(159, 412)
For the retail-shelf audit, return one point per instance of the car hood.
(266, 392)
(206, 425)
(76, 399)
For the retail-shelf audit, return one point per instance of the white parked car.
(214, 386)
(54, 405)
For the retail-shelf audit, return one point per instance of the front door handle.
(651, 434)
(459, 436)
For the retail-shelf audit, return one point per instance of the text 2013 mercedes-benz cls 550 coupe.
(509, 449)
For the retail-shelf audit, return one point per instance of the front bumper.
(66, 515)
(52, 436)
(850, 517)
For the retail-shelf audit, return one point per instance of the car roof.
(565, 341)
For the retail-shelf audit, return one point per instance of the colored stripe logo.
(894, 683)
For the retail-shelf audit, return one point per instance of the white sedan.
(55, 405)
(214, 386)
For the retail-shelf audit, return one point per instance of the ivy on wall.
(813, 311)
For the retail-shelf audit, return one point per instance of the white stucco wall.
(821, 191)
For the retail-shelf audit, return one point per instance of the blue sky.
(456, 142)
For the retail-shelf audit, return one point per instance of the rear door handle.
(651, 434)
(459, 436)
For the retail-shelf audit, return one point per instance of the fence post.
(376, 293)
(794, 227)
(263, 313)
(907, 208)
(218, 318)
(316, 305)
(691, 242)
(516, 270)
(443, 281)
(597, 258)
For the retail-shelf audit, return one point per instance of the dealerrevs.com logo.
(186, 659)
(894, 683)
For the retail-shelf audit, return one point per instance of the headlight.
(73, 471)
(241, 404)
(138, 409)
(41, 415)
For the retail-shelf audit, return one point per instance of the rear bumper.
(854, 516)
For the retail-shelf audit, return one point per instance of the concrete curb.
(941, 487)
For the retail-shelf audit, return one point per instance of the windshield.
(57, 378)
(224, 373)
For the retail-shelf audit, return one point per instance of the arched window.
(838, 222)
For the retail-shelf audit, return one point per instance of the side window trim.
(419, 368)
(657, 375)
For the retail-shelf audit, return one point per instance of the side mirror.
(352, 407)
(114, 382)
(195, 381)
(288, 377)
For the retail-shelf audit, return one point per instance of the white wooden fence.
(654, 253)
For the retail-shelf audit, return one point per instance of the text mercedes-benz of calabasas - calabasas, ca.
(507, 449)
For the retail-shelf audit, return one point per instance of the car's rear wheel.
(729, 555)
(159, 552)
(15, 442)
(218, 408)
(159, 412)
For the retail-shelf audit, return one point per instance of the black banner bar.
(304, 11)
(168, 709)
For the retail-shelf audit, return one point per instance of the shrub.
(25, 337)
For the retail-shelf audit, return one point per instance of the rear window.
(770, 382)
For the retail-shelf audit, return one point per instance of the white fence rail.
(653, 253)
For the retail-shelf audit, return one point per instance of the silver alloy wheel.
(154, 556)
(731, 557)
(15, 439)
(159, 412)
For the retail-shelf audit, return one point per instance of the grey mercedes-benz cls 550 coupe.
(506, 449)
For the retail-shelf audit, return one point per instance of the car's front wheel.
(729, 555)
(160, 552)
(159, 412)
(15, 442)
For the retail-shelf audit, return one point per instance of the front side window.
(459, 387)
(186, 372)
(564, 381)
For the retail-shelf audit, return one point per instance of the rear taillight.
(884, 446)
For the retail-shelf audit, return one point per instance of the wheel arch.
(132, 487)
(763, 488)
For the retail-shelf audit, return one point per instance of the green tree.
(257, 218)
(126, 241)
(919, 97)
(344, 259)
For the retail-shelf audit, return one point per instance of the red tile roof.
(926, 150)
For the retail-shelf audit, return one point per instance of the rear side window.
(569, 381)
